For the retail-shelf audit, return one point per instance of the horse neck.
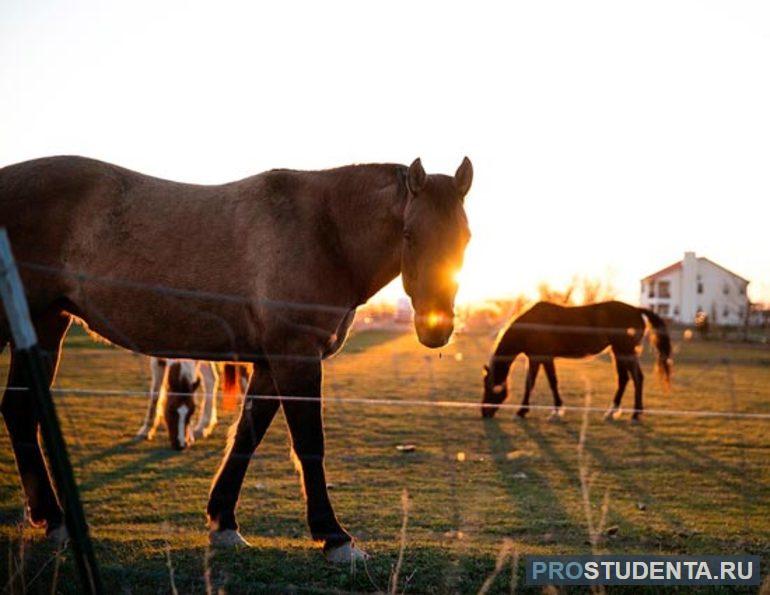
(503, 358)
(369, 222)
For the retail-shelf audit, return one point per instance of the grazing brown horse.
(267, 270)
(547, 330)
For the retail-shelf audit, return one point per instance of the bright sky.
(607, 137)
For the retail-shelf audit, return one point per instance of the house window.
(700, 286)
(664, 289)
(663, 309)
(652, 290)
(742, 290)
(676, 310)
(725, 312)
(726, 289)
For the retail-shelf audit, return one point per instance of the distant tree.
(596, 290)
(547, 293)
(580, 290)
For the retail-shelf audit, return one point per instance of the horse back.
(579, 331)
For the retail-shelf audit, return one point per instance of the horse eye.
(408, 236)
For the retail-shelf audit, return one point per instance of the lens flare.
(434, 318)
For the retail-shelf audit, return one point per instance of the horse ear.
(485, 370)
(415, 177)
(464, 177)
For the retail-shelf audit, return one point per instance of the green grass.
(704, 483)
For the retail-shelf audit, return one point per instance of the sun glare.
(433, 319)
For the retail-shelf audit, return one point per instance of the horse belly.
(168, 326)
(337, 340)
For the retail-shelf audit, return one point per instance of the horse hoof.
(613, 414)
(557, 414)
(199, 433)
(636, 419)
(228, 538)
(58, 536)
(346, 553)
(522, 413)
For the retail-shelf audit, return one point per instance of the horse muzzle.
(488, 411)
(434, 328)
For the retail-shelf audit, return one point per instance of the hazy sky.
(607, 137)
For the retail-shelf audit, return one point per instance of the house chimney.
(689, 287)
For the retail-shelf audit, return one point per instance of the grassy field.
(673, 484)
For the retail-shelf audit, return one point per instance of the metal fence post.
(26, 347)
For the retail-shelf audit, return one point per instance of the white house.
(696, 285)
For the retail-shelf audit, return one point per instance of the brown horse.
(267, 270)
(547, 330)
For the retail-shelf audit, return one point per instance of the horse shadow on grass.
(120, 473)
(106, 453)
(641, 490)
(689, 454)
(530, 492)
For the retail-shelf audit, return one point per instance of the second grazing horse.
(547, 331)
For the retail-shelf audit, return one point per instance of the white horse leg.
(208, 417)
(152, 417)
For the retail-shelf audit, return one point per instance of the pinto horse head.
(435, 236)
(180, 403)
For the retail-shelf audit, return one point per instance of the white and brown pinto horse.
(171, 400)
(275, 267)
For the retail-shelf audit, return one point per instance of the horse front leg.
(257, 412)
(151, 418)
(208, 419)
(22, 419)
(532, 369)
(638, 378)
(304, 418)
(621, 365)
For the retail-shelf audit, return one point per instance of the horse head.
(180, 403)
(435, 236)
(494, 393)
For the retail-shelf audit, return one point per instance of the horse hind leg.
(638, 377)
(553, 382)
(22, 420)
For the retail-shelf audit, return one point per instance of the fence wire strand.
(191, 301)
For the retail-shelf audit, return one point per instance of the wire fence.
(557, 478)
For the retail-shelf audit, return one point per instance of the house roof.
(723, 268)
(678, 265)
(665, 271)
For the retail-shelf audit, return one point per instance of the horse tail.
(230, 385)
(660, 338)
